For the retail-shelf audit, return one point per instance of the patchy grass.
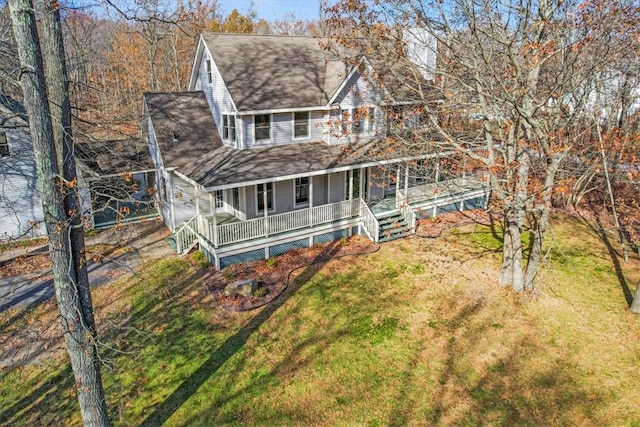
(417, 333)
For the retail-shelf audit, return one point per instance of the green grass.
(417, 333)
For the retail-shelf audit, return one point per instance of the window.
(302, 191)
(228, 127)
(262, 127)
(219, 199)
(301, 124)
(4, 145)
(235, 193)
(260, 193)
(357, 119)
(209, 72)
(372, 119)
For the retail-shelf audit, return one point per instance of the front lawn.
(417, 333)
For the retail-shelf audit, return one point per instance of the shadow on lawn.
(232, 345)
(599, 230)
(508, 387)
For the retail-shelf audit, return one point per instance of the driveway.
(28, 289)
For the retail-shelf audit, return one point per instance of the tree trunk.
(57, 83)
(539, 232)
(79, 341)
(635, 305)
(511, 272)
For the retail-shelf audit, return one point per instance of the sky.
(274, 9)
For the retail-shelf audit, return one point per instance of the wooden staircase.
(393, 225)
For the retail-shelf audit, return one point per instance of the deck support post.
(215, 231)
(398, 172)
(266, 209)
(310, 201)
(350, 184)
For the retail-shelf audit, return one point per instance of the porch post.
(398, 180)
(266, 208)
(350, 172)
(406, 180)
(215, 229)
(197, 197)
(212, 206)
(310, 201)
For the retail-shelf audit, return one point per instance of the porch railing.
(370, 222)
(282, 223)
(439, 190)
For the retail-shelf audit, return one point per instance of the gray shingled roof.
(271, 72)
(224, 166)
(185, 117)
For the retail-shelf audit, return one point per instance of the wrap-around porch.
(224, 229)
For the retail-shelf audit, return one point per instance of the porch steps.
(171, 241)
(393, 226)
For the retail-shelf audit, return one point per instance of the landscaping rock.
(241, 287)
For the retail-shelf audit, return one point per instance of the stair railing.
(369, 222)
(186, 235)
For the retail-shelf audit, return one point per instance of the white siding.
(337, 187)
(282, 129)
(377, 179)
(216, 93)
(20, 202)
(358, 92)
(184, 203)
(319, 190)
(319, 127)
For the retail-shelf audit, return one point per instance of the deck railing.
(255, 228)
(439, 190)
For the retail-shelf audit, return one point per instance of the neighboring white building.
(20, 206)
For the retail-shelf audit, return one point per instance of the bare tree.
(515, 76)
(59, 198)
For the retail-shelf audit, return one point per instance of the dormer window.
(228, 127)
(4, 146)
(209, 72)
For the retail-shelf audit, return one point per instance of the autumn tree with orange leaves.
(517, 77)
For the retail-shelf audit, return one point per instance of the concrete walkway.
(33, 288)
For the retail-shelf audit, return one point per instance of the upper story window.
(262, 127)
(358, 116)
(301, 124)
(302, 190)
(228, 127)
(371, 119)
(209, 71)
(4, 146)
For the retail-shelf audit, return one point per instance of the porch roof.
(224, 166)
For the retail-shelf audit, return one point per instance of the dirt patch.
(434, 227)
(274, 275)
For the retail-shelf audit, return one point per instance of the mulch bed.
(274, 275)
